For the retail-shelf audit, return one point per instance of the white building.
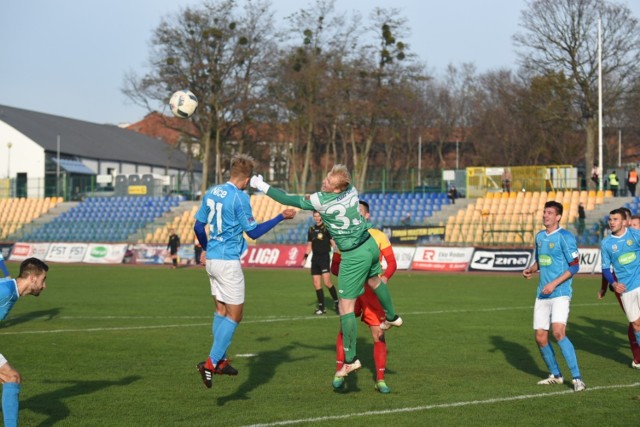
(46, 155)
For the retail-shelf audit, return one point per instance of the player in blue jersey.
(3, 266)
(621, 253)
(627, 219)
(30, 281)
(556, 257)
(226, 209)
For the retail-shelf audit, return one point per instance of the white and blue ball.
(183, 103)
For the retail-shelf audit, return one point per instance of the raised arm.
(279, 195)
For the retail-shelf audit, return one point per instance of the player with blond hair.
(369, 309)
(226, 210)
(337, 203)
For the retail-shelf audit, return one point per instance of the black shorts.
(320, 264)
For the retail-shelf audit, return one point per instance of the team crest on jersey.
(552, 245)
(629, 242)
(614, 248)
(320, 236)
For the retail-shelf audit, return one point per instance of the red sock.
(339, 352)
(209, 364)
(380, 358)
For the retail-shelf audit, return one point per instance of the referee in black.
(320, 244)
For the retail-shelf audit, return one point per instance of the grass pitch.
(118, 345)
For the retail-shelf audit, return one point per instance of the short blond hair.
(343, 176)
(242, 166)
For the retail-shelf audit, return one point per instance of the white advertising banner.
(22, 251)
(590, 260)
(66, 252)
(404, 257)
(105, 254)
(500, 260)
(434, 258)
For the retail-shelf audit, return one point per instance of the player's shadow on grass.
(517, 356)
(51, 404)
(604, 338)
(16, 320)
(261, 370)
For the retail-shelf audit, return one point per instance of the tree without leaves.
(561, 36)
(212, 50)
(303, 83)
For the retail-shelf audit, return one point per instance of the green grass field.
(118, 345)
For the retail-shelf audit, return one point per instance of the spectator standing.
(582, 216)
(632, 181)
(506, 180)
(595, 175)
(613, 183)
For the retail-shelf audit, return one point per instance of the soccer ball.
(183, 103)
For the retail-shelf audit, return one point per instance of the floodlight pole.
(58, 167)
(9, 145)
(420, 160)
(619, 148)
(600, 105)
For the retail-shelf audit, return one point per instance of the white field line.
(437, 406)
(244, 321)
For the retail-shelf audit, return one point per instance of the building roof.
(92, 140)
(169, 129)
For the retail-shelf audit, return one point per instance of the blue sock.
(222, 340)
(569, 354)
(217, 321)
(549, 357)
(10, 392)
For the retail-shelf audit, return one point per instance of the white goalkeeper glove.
(258, 183)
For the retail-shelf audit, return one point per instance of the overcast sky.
(69, 57)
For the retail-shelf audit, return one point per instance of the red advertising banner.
(273, 256)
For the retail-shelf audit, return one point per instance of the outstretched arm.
(279, 195)
(264, 227)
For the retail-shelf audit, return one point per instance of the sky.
(69, 57)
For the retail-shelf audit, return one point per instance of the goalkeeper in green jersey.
(337, 202)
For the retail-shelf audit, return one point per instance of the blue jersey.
(228, 212)
(554, 252)
(8, 296)
(621, 253)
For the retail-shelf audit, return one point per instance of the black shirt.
(174, 242)
(320, 239)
